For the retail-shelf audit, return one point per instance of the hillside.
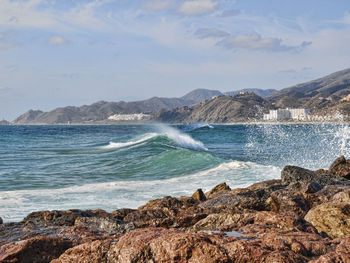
(102, 110)
(222, 109)
(316, 94)
(260, 92)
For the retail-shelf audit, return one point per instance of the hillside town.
(300, 114)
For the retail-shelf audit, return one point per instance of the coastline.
(281, 220)
(155, 122)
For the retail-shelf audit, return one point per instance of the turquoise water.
(115, 166)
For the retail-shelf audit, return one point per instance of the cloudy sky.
(73, 52)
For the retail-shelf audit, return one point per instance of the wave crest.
(182, 139)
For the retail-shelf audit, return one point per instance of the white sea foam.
(196, 126)
(112, 195)
(117, 145)
(180, 138)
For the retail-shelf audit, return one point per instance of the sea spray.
(141, 139)
(180, 138)
(308, 145)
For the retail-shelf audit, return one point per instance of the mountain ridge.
(321, 96)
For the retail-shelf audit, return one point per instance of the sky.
(56, 53)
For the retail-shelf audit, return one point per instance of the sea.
(117, 166)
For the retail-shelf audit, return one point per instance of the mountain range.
(321, 96)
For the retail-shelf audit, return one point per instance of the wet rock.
(121, 213)
(257, 250)
(332, 218)
(321, 171)
(283, 221)
(150, 217)
(217, 221)
(286, 201)
(252, 200)
(341, 253)
(96, 251)
(327, 193)
(37, 249)
(218, 190)
(111, 226)
(305, 187)
(1, 221)
(61, 218)
(269, 184)
(343, 196)
(340, 167)
(166, 203)
(293, 174)
(150, 245)
(199, 195)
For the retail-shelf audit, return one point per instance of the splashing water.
(180, 138)
(306, 145)
(117, 145)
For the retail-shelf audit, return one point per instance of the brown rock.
(217, 221)
(150, 245)
(332, 218)
(199, 195)
(96, 251)
(121, 213)
(165, 203)
(266, 185)
(101, 224)
(293, 174)
(305, 187)
(283, 221)
(37, 249)
(322, 171)
(286, 201)
(61, 218)
(343, 196)
(218, 190)
(327, 193)
(1, 221)
(257, 251)
(341, 253)
(248, 199)
(340, 167)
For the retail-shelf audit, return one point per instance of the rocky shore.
(304, 217)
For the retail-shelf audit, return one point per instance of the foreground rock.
(36, 249)
(332, 218)
(303, 217)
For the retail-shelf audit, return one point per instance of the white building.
(287, 114)
(130, 117)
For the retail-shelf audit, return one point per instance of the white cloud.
(57, 40)
(256, 42)
(197, 7)
(157, 5)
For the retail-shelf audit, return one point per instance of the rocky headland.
(303, 217)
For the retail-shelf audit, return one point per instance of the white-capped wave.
(117, 145)
(180, 138)
(15, 205)
(196, 126)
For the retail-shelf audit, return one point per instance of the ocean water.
(116, 166)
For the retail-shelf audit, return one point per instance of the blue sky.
(69, 52)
